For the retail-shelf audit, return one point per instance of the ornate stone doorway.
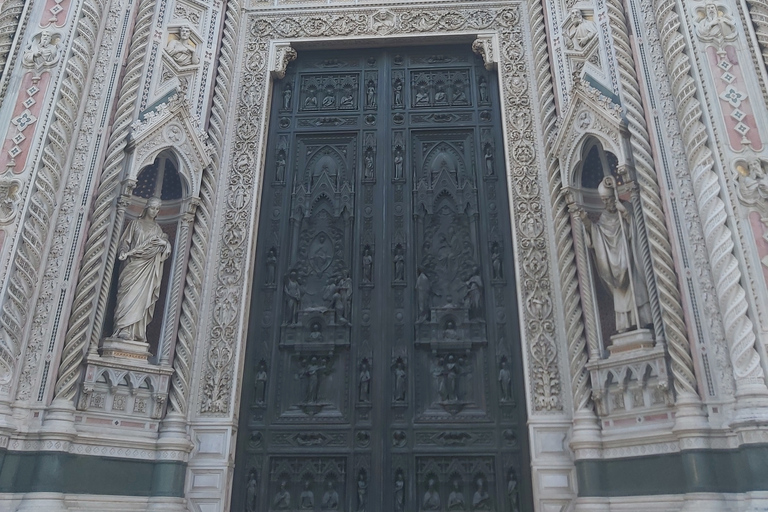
(378, 372)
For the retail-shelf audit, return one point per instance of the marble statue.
(614, 242)
(182, 50)
(144, 247)
(754, 185)
(9, 196)
(431, 499)
(282, 499)
(42, 53)
(581, 30)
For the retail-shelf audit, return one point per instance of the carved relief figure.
(287, 96)
(401, 377)
(251, 492)
(261, 382)
(8, 199)
(362, 490)
(307, 498)
(368, 171)
(311, 371)
(513, 493)
(613, 239)
(42, 52)
(474, 296)
(271, 266)
(330, 498)
(280, 167)
(399, 263)
(182, 50)
(329, 100)
(399, 491)
(293, 294)
(347, 99)
(580, 32)
(422, 95)
(431, 500)
(716, 25)
(282, 499)
(398, 163)
(364, 382)
(367, 264)
(483, 87)
(440, 96)
(753, 185)
(496, 266)
(456, 498)
(398, 89)
(481, 500)
(144, 247)
(370, 94)
(424, 295)
(505, 381)
(488, 156)
(310, 101)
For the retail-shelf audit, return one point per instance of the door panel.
(383, 369)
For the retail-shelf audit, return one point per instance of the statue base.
(631, 340)
(125, 349)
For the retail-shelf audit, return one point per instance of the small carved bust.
(42, 52)
(182, 50)
(716, 25)
(580, 32)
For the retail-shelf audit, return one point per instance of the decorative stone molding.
(758, 12)
(43, 51)
(282, 54)
(485, 46)
(11, 25)
(216, 397)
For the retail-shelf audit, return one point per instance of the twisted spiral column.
(758, 12)
(37, 224)
(658, 261)
(11, 24)
(574, 324)
(190, 308)
(99, 254)
(731, 296)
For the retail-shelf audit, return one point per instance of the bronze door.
(383, 368)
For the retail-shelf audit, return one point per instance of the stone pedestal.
(127, 349)
(631, 340)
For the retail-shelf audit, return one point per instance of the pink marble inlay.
(25, 110)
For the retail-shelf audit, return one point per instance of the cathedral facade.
(372, 256)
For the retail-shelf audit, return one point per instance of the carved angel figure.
(716, 26)
(581, 30)
(614, 241)
(41, 53)
(182, 50)
(144, 247)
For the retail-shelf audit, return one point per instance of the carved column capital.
(282, 54)
(485, 46)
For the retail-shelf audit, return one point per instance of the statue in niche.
(440, 96)
(182, 50)
(716, 26)
(398, 163)
(483, 87)
(287, 96)
(364, 382)
(41, 53)
(315, 332)
(513, 493)
(459, 94)
(330, 498)
(474, 296)
(614, 242)
(431, 499)
(399, 263)
(401, 376)
(261, 382)
(311, 371)
(368, 166)
(329, 100)
(345, 288)
(310, 102)
(271, 266)
(456, 498)
(144, 247)
(496, 266)
(422, 95)
(398, 100)
(338, 306)
(367, 264)
(307, 498)
(424, 295)
(505, 381)
(446, 372)
(370, 94)
(293, 293)
(362, 490)
(399, 491)
(581, 31)
(251, 491)
(282, 499)
(481, 500)
(450, 333)
(280, 167)
(9, 196)
(488, 157)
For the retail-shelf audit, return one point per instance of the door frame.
(268, 40)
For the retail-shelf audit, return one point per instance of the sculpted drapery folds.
(144, 247)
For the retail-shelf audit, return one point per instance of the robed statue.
(613, 238)
(144, 247)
